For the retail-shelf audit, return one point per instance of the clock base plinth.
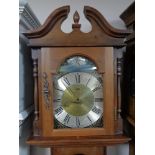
(77, 141)
(79, 151)
(78, 145)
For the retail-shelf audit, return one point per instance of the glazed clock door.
(80, 98)
(78, 94)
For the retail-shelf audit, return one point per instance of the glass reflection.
(77, 63)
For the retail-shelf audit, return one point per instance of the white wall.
(25, 93)
(121, 149)
(111, 10)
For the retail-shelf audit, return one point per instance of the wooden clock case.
(50, 47)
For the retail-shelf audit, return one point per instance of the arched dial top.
(77, 63)
(78, 94)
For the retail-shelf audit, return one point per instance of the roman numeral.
(98, 99)
(89, 119)
(96, 110)
(66, 80)
(59, 110)
(58, 89)
(77, 122)
(88, 81)
(67, 118)
(77, 77)
(95, 89)
(57, 100)
(99, 79)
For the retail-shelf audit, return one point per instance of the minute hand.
(70, 92)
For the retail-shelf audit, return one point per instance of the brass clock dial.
(78, 97)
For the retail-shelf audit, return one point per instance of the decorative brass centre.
(77, 100)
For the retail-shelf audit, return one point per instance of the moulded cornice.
(60, 13)
(102, 34)
(27, 17)
(91, 13)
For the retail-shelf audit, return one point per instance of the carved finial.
(76, 19)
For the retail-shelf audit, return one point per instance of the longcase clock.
(77, 84)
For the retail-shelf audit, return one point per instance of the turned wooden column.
(36, 131)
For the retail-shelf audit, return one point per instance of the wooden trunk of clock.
(49, 62)
(77, 85)
(79, 151)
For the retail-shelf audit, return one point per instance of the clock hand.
(70, 92)
(73, 94)
(84, 95)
